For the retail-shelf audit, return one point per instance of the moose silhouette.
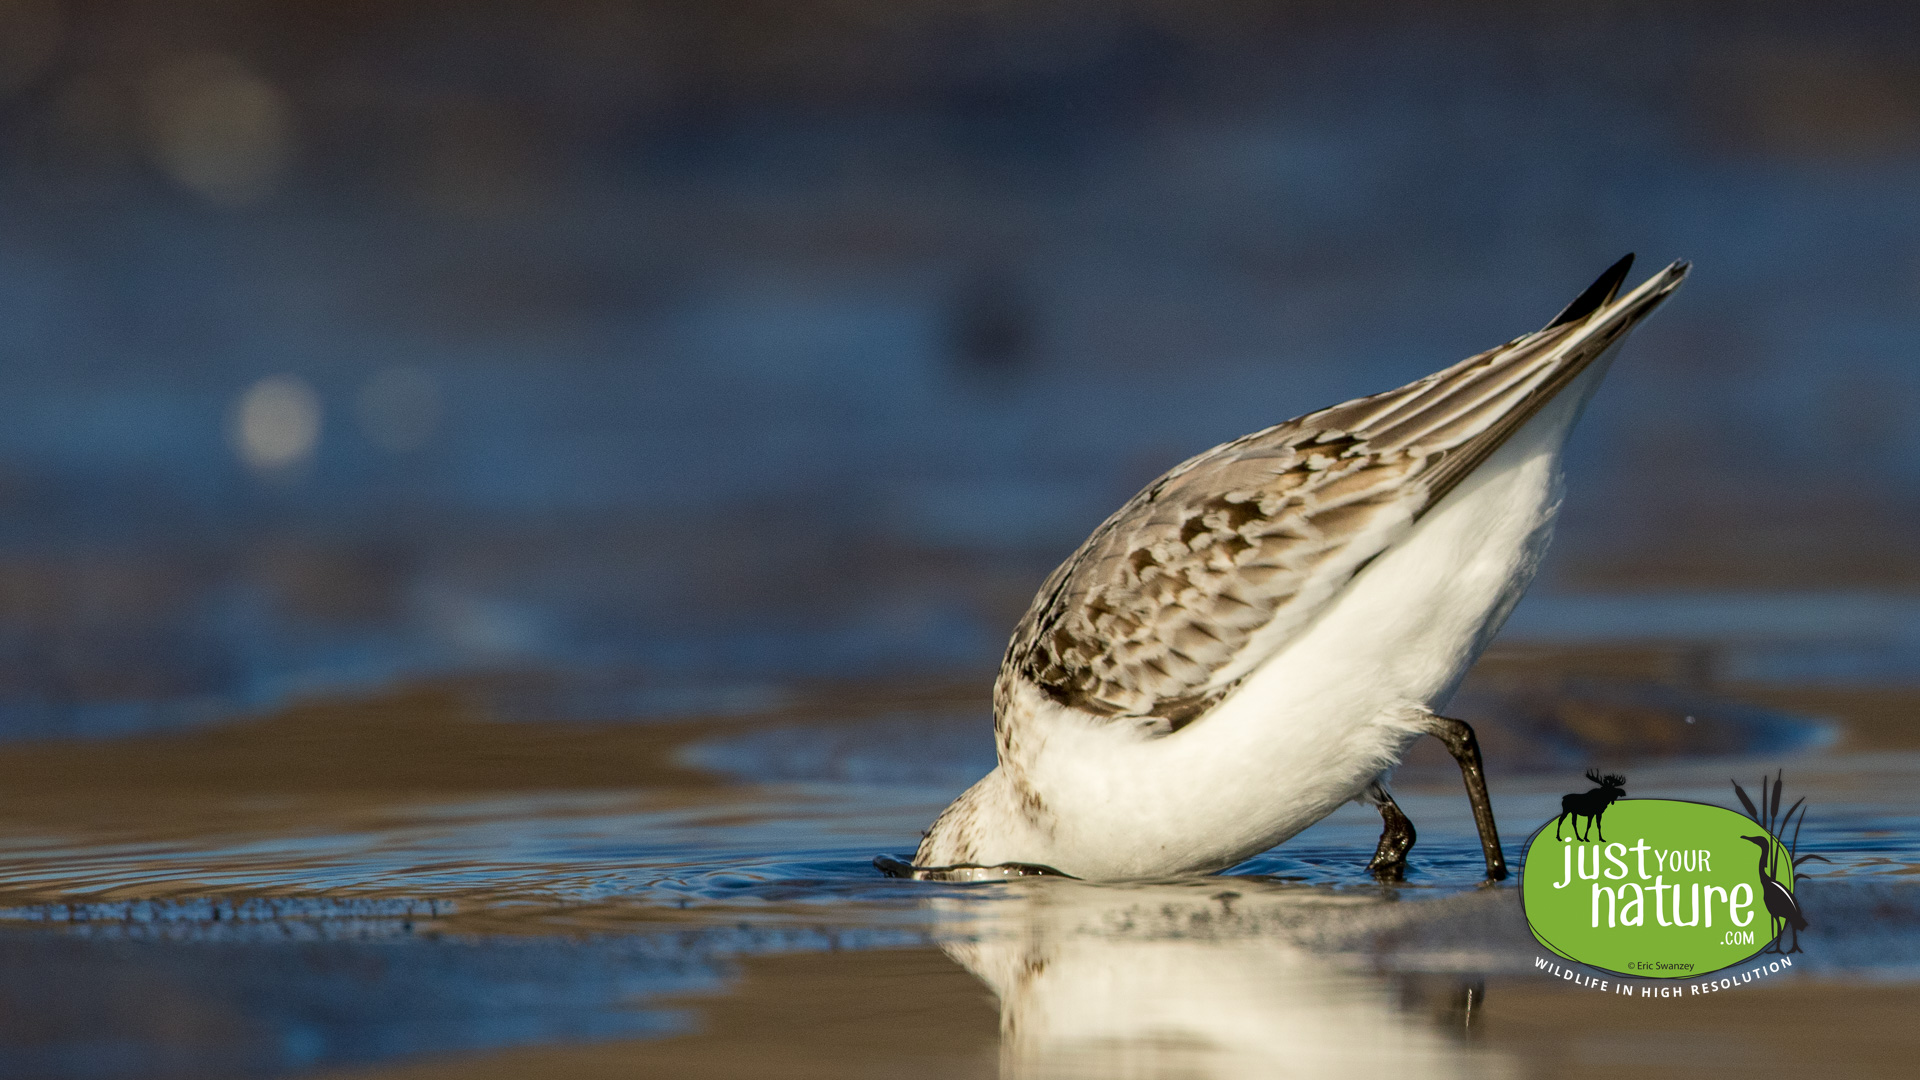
(1591, 805)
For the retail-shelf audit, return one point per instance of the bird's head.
(1765, 842)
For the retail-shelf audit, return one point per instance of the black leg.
(1465, 749)
(1396, 836)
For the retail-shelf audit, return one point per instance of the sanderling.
(1259, 635)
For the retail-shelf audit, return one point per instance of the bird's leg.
(1465, 749)
(1396, 836)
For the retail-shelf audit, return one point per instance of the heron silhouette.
(1780, 903)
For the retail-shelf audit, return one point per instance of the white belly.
(1338, 706)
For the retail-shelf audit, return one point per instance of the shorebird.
(1258, 636)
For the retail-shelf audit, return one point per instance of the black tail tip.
(1598, 295)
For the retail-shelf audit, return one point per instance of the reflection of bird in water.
(1781, 905)
(1167, 980)
(1258, 636)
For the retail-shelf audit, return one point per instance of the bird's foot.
(1388, 868)
(1389, 861)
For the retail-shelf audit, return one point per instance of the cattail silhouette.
(1781, 906)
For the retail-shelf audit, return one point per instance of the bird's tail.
(1461, 415)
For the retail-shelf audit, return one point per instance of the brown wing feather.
(1212, 567)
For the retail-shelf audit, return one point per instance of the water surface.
(424, 876)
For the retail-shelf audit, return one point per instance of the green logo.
(1661, 889)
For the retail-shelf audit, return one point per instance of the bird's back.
(1215, 566)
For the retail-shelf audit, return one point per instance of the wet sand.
(873, 1014)
(881, 1013)
(1806, 1029)
(361, 762)
(690, 895)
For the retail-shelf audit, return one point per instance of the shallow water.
(427, 884)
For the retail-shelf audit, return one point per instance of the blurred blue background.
(694, 346)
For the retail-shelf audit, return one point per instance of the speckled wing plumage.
(1216, 565)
